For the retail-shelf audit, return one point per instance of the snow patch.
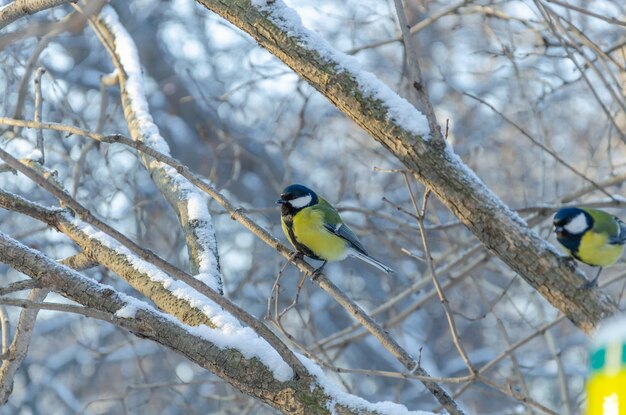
(125, 48)
(200, 218)
(352, 401)
(34, 155)
(197, 207)
(128, 311)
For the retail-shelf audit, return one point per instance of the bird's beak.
(281, 202)
(558, 230)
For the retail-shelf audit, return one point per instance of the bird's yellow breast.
(594, 249)
(308, 228)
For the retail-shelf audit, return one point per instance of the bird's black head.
(296, 197)
(570, 224)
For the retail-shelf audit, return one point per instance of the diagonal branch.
(19, 346)
(403, 131)
(190, 205)
(237, 214)
(307, 395)
(19, 204)
(21, 8)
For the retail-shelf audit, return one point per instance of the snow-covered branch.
(398, 126)
(191, 305)
(314, 394)
(189, 203)
(20, 8)
(326, 284)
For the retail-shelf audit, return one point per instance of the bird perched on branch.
(315, 229)
(592, 236)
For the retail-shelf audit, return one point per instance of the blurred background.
(529, 90)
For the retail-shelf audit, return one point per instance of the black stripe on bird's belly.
(572, 243)
(303, 249)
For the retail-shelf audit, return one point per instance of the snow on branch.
(227, 331)
(277, 28)
(398, 109)
(352, 401)
(190, 203)
(200, 344)
(172, 296)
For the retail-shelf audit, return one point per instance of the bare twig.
(611, 20)
(19, 346)
(415, 74)
(149, 256)
(433, 272)
(542, 146)
(19, 286)
(421, 25)
(518, 396)
(79, 262)
(37, 117)
(552, 19)
(65, 308)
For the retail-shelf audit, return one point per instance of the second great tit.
(315, 229)
(591, 236)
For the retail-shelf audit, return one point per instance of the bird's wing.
(620, 238)
(342, 231)
(334, 225)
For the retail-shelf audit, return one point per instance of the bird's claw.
(318, 271)
(316, 274)
(589, 285)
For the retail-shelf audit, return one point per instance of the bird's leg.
(318, 271)
(594, 282)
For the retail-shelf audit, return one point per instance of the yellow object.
(315, 229)
(308, 228)
(595, 249)
(606, 386)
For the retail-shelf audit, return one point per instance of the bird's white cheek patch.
(577, 225)
(301, 201)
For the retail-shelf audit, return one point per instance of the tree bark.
(20, 8)
(303, 396)
(431, 162)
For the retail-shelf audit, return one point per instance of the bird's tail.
(370, 260)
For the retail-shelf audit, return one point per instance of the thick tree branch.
(20, 8)
(302, 396)
(137, 265)
(189, 203)
(350, 306)
(276, 28)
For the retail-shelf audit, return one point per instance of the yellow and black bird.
(592, 236)
(315, 229)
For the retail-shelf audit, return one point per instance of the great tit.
(591, 236)
(315, 229)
